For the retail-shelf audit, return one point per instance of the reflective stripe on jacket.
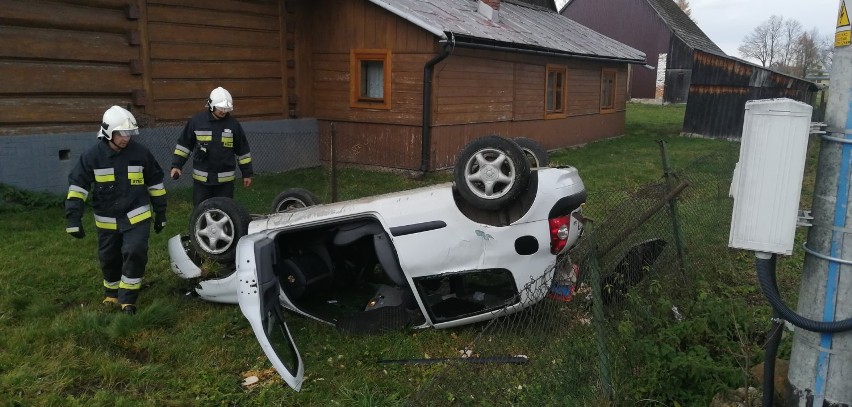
(126, 186)
(217, 146)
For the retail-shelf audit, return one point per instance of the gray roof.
(683, 26)
(521, 26)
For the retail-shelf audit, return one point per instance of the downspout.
(426, 130)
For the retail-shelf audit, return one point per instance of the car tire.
(216, 225)
(535, 153)
(491, 172)
(293, 198)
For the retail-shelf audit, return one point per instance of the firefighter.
(128, 192)
(215, 139)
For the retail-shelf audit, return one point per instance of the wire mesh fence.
(634, 273)
(275, 148)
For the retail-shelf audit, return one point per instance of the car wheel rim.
(290, 204)
(490, 174)
(214, 231)
(531, 158)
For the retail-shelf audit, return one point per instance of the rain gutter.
(506, 48)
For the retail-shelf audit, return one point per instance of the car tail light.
(559, 230)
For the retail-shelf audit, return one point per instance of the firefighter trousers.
(123, 257)
(201, 192)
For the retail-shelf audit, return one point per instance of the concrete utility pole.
(821, 363)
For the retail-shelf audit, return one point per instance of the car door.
(258, 299)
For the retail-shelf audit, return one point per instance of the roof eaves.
(756, 66)
(682, 26)
(411, 18)
(476, 42)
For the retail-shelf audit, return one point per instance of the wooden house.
(405, 83)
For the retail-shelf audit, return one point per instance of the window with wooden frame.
(608, 81)
(370, 78)
(555, 90)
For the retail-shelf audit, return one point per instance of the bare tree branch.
(808, 52)
(791, 32)
(684, 5)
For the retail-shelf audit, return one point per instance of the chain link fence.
(634, 275)
(276, 147)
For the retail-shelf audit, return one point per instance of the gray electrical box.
(767, 180)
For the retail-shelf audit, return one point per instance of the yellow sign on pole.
(843, 33)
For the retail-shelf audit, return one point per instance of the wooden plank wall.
(473, 90)
(474, 86)
(343, 26)
(387, 138)
(64, 63)
(484, 92)
(551, 134)
(196, 46)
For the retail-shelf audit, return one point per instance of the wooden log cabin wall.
(64, 63)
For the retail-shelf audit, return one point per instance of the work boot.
(109, 302)
(128, 309)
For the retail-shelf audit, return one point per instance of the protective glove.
(159, 222)
(75, 228)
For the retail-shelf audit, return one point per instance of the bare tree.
(684, 5)
(808, 52)
(791, 31)
(763, 44)
(826, 46)
(784, 46)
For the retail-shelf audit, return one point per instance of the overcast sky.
(727, 22)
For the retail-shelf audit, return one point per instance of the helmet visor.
(127, 133)
(224, 109)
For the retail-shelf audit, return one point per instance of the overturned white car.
(439, 256)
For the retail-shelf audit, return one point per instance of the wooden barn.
(720, 88)
(685, 65)
(661, 30)
(406, 83)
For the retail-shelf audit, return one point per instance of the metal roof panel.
(519, 25)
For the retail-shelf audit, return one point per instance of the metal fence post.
(678, 232)
(333, 159)
(599, 321)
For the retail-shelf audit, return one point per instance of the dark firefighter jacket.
(128, 186)
(215, 144)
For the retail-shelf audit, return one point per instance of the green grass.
(635, 158)
(59, 347)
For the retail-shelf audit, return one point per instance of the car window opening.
(338, 273)
(453, 296)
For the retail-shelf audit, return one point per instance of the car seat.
(385, 253)
(308, 269)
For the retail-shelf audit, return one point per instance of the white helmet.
(118, 119)
(220, 98)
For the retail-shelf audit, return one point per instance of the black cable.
(766, 277)
(774, 340)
